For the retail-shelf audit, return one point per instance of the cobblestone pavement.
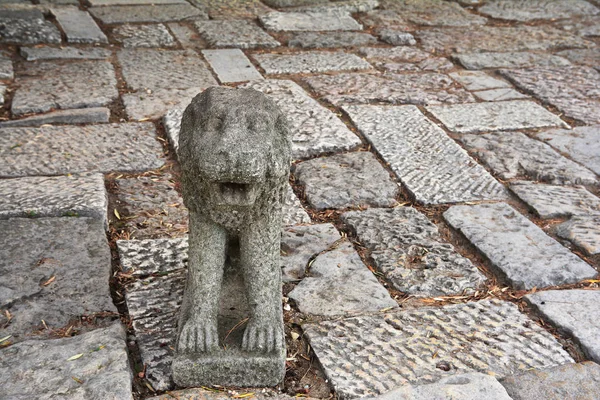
(441, 234)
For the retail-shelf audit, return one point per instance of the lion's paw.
(262, 337)
(198, 336)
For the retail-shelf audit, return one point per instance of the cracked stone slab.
(46, 85)
(231, 65)
(310, 62)
(346, 180)
(432, 166)
(516, 247)
(500, 95)
(59, 150)
(40, 368)
(572, 89)
(551, 201)
(241, 34)
(78, 26)
(478, 80)
(391, 88)
(369, 355)
(572, 311)
(529, 10)
(339, 283)
(27, 27)
(332, 20)
(6, 67)
(512, 154)
(155, 35)
(408, 249)
(491, 117)
(316, 130)
(76, 116)
(157, 13)
(64, 248)
(433, 13)
(515, 59)
(583, 231)
(589, 57)
(318, 40)
(581, 143)
(53, 53)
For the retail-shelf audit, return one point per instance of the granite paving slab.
(233, 9)
(513, 155)
(52, 53)
(396, 54)
(95, 115)
(529, 10)
(172, 123)
(231, 65)
(290, 3)
(583, 231)
(27, 27)
(240, 34)
(310, 62)
(333, 20)
(42, 263)
(151, 104)
(186, 36)
(58, 150)
(428, 162)
(46, 85)
(204, 394)
(581, 143)
(41, 369)
(339, 283)
(316, 130)
(517, 248)
(157, 13)
(433, 12)
(78, 26)
(351, 6)
(587, 26)
(492, 117)
(396, 38)
(589, 57)
(437, 64)
(6, 68)
(2, 92)
(98, 3)
(346, 180)
(369, 355)
(478, 80)
(155, 35)
(318, 40)
(385, 19)
(500, 95)
(408, 249)
(516, 59)
(572, 311)
(293, 212)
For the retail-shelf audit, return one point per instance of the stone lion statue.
(235, 154)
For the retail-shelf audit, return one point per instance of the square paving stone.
(310, 62)
(46, 85)
(428, 162)
(157, 13)
(582, 144)
(351, 6)
(26, 27)
(92, 115)
(333, 20)
(58, 150)
(370, 355)
(79, 26)
(512, 155)
(40, 369)
(583, 231)
(52, 269)
(241, 34)
(52, 53)
(574, 312)
(408, 249)
(403, 58)
(537, 9)
(346, 180)
(509, 60)
(231, 65)
(491, 117)
(477, 80)
(500, 95)
(232, 9)
(518, 249)
(433, 12)
(318, 40)
(155, 35)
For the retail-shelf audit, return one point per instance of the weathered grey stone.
(528, 10)
(143, 258)
(551, 201)
(57, 150)
(204, 394)
(397, 54)
(49, 53)
(6, 67)
(242, 34)
(583, 26)
(292, 210)
(333, 20)
(429, 163)
(97, 3)
(310, 62)
(491, 117)
(583, 231)
(346, 180)
(79, 26)
(509, 60)
(186, 36)
(41, 369)
(42, 262)
(589, 57)
(513, 154)
(47, 85)
(582, 144)
(433, 12)
(339, 283)
(315, 129)
(149, 104)
(500, 95)
(233, 9)
(569, 381)
(517, 248)
(437, 64)
(75, 116)
(2, 92)
(158, 13)
(231, 65)
(573, 90)
(370, 355)
(397, 38)
(26, 27)
(408, 249)
(290, 3)
(317, 40)
(155, 35)
(351, 6)
(172, 124)
(572, 311)
(478, 80)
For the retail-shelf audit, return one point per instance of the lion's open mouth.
(237, 193)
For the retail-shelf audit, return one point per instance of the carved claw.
(198, 336)
(262, 337)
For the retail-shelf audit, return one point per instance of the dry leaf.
(117, 214)
(49, 281)
(75, 357)
(77, 380)
(5, 338)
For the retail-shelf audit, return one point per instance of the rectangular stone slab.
(79, 26)
(231, 65)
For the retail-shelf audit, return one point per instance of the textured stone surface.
(396, 54)
(205, 394)
(509, 60)
(477, 80)
(583, 231)
(500, 95)
(98, 3)
(569, 381)
(589, 57)
(583, 26)
(2, 92)
(316, 40)
(550, 201)
(438, 64)
(234, 33)
(6, 67)
(582, 144)
(172, 124)
(517, 248)
(55, 150)
(346, 180)
(155, 35)
(47, 85)
(491, 117)
(408, 249)
(186, 36)
(50, 53)
(430, 164)
(528, 10)
(27, 27)
(396, 38)
(158, 13)
(315, 129)
(339, 283)
(78, 26)
(433, 12)
(232, 9)
(310, 62)
(573, 90)
(351, 6)
(430, 88)
(37, 250)
(231, 65)
(74, 116)
(293, 213)
(369, 355)
(142, 258)
(513, 154)
(40, 369)
(572, 311)
(150, 104)
(333, 20)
